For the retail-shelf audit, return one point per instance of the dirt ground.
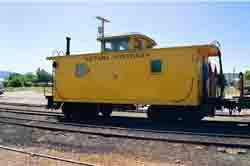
(27, 96)
(110, 151)
(104, 150)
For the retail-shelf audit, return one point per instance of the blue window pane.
(80, 70)
(120, 44)
(156, 66)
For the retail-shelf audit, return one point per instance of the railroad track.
(40, 110)
(31, 112)
(27, 108)
(127, 128)
(42, 106)
(30, 109)
(22, 104)
(216, 139)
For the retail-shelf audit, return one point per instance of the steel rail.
(137, 111)
(26, 111)
(31, 112)
(127, 135)
(22, 104)
(130, 129)
(46, 156)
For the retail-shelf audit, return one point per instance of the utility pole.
(101, 30)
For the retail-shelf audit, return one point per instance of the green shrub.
(247, 75)
(27, 80)
(28, 84)
(16, 82)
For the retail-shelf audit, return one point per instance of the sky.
(30, 31)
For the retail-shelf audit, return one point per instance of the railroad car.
(176, 82)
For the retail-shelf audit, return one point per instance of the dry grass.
(117, 159)
(35, 89)
(10, 158)
(231, 91)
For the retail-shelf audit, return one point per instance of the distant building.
(231, 77)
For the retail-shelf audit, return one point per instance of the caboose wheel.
(67, 111)
(79, 111)
(162, 116)
(152, 115)
(71, 112)
(106, 110)
(88, 111)
(106, 113)
(192, 118)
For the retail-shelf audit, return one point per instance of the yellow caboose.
(176, 82)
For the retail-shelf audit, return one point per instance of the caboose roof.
(130, 34)
(204, 50)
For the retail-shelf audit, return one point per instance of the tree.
(43, 76)
(29, 79)
(222, 80)
(15, 80)
(247, 75)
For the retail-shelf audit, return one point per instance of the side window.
(156, 66)
(80, 70)
(123, 45)
(138, 44)
(116, 45)
(108, 46)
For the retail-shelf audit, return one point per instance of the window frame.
(156, 69)
(116, 42)
(80, 70)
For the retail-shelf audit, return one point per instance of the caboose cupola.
(126, 41)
